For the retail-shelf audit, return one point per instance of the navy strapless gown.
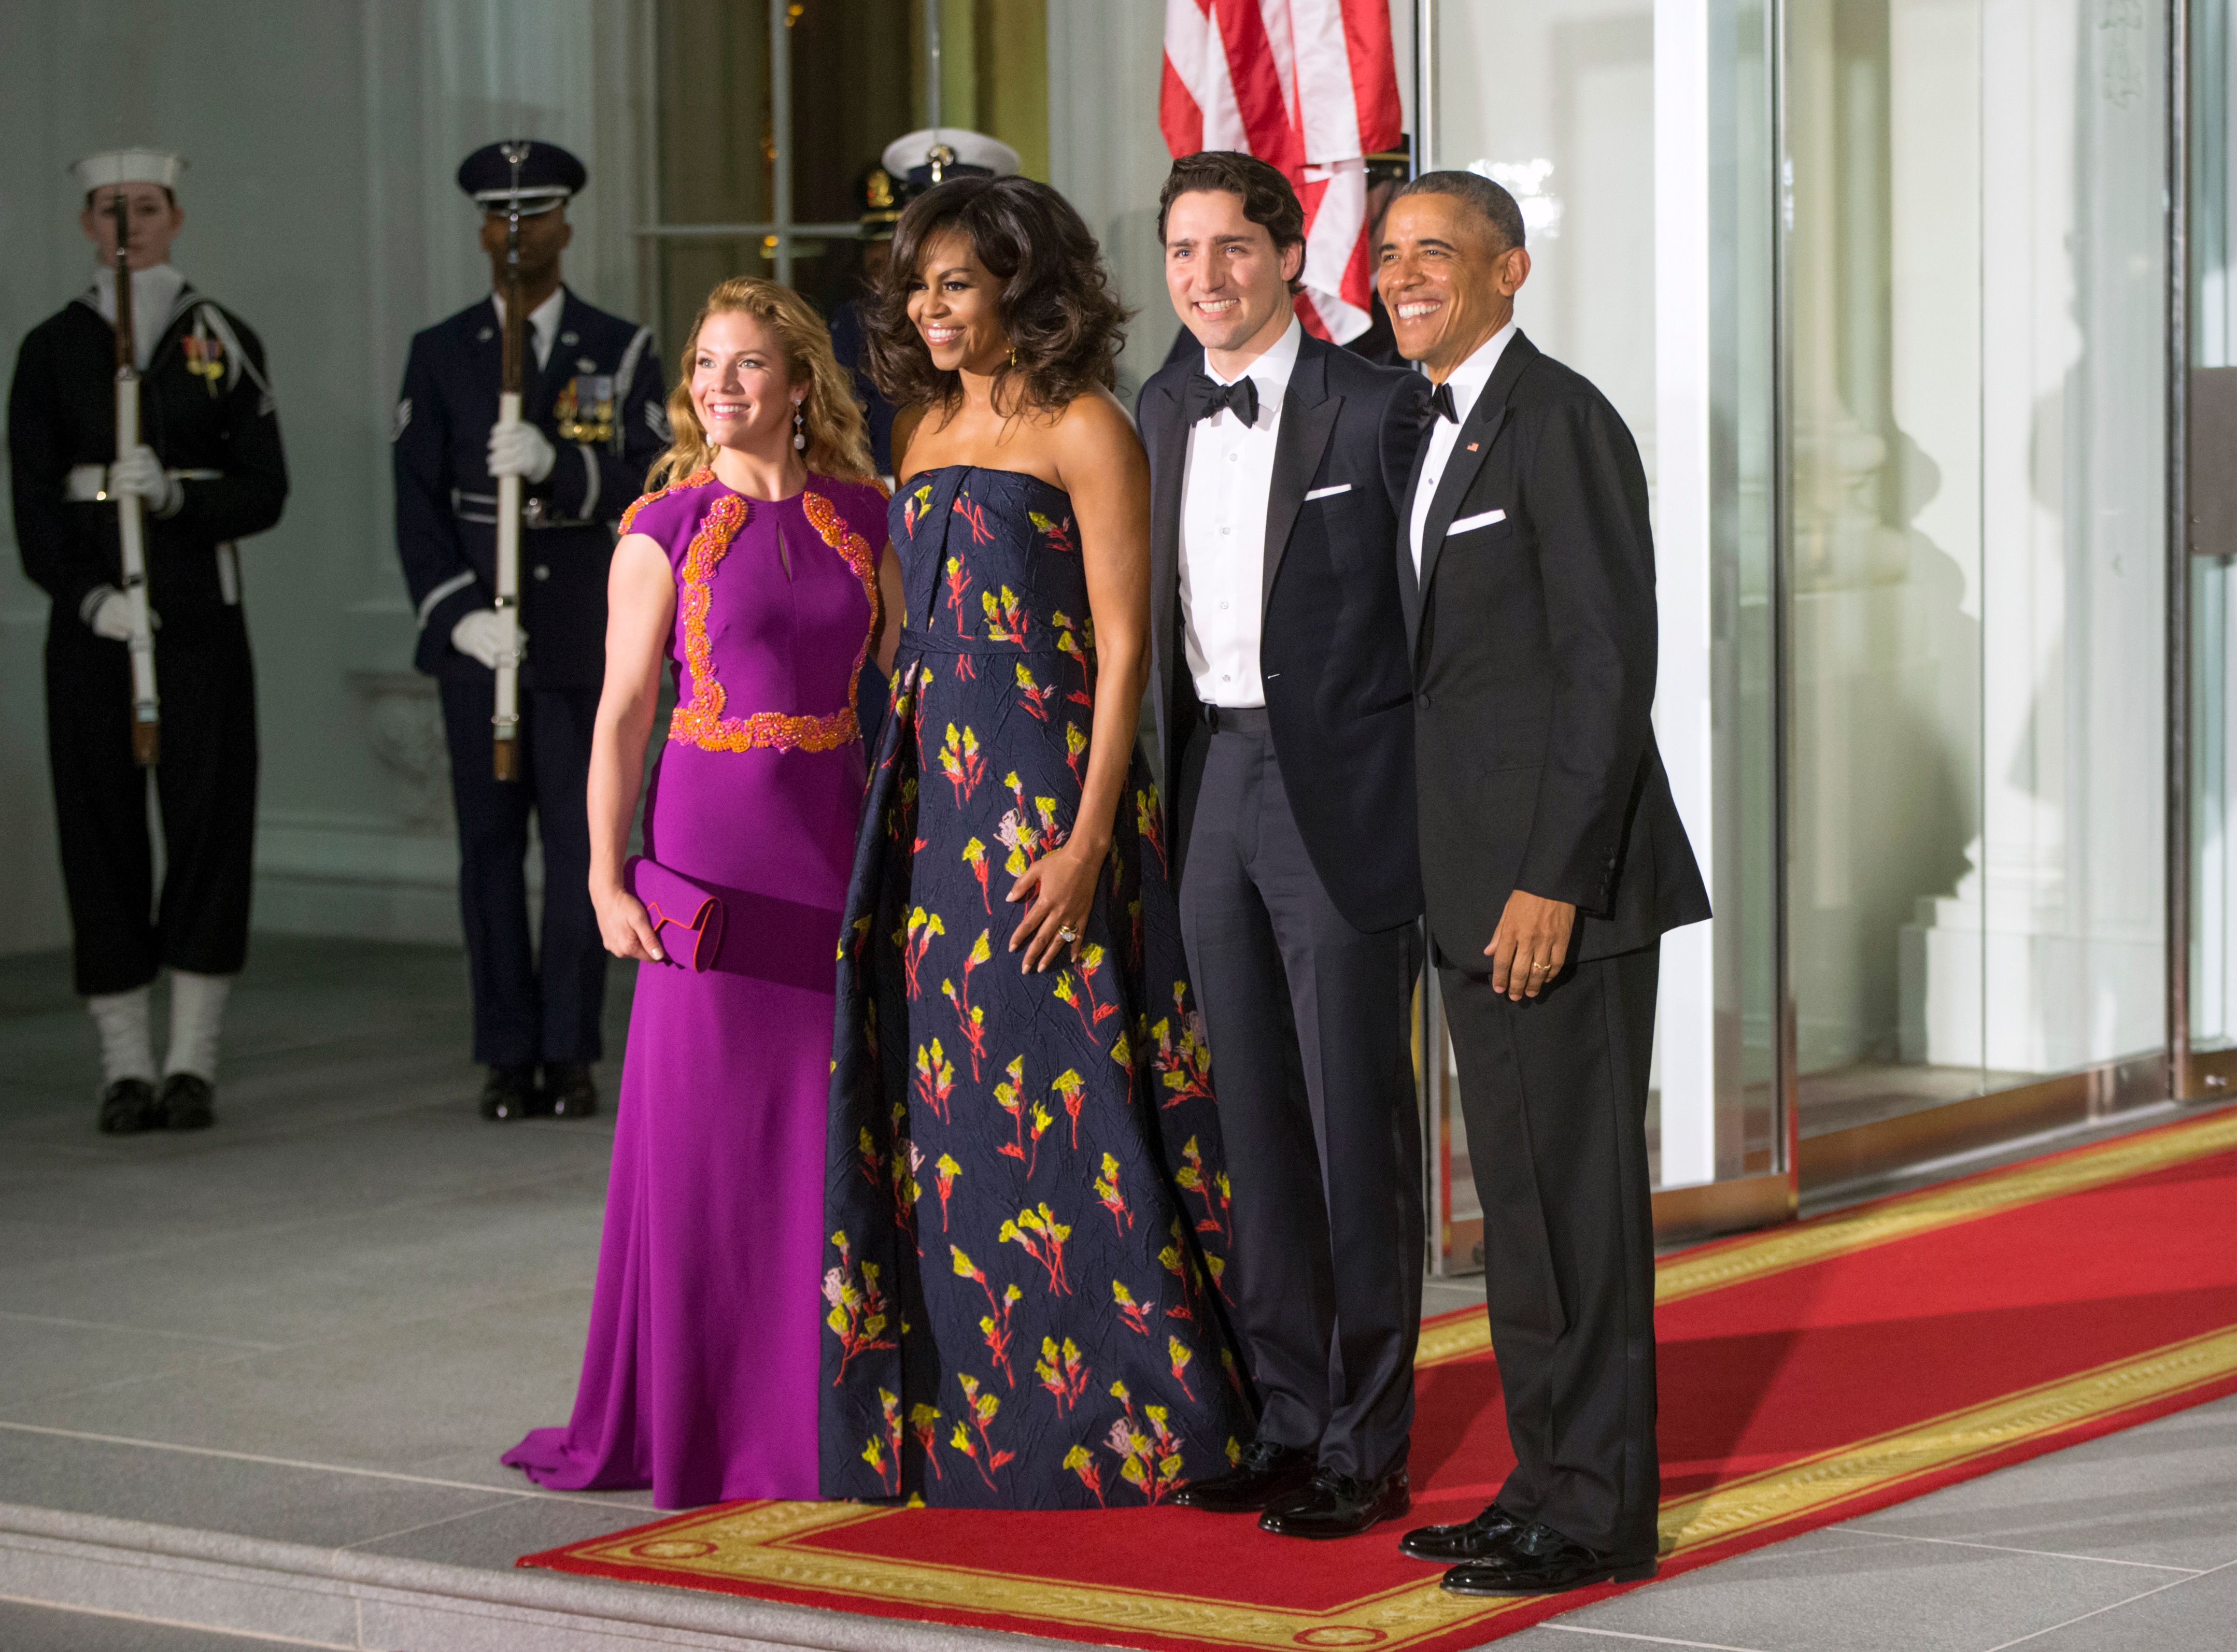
(1026, 1208)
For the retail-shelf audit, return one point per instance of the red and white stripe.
(1310, 86)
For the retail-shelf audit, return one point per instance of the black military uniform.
(205, 409)
(883, 201)
(598, 398)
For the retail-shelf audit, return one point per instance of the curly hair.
(838, 441)
(1064, 322)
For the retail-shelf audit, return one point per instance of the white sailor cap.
(937, 152)
(113, 167)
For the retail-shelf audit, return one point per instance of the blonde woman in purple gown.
(753, 569)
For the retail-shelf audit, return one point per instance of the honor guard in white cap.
(144, 446)
(589, 420)
(922, 159)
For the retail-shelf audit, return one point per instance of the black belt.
(1238, 720)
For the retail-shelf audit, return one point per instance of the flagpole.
(1425, 86)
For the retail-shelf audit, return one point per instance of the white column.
(1684, 544)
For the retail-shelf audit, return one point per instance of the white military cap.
(114, 167)
(917, 155)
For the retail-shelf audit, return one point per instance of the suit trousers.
(1308, 1022)
(1554, 1092)
(205, 783)
(528, 1006)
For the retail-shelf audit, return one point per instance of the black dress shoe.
(568, 1091)
(1477, 1539)
(1538, 1560)
(1266, 1474)
(1340, 1505)
(127, 1107)
(188, 1102)
(511, 1094)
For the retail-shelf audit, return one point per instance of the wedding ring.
(1067, 934)
(1539, 968)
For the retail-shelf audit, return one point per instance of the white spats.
(197, 1014)
(127, 1050)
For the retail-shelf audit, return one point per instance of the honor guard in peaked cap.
(144, 445)
(550, 176)
(922, 159)
(591, 419)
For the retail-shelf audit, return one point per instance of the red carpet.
(1810, 1374)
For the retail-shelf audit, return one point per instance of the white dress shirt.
(154, 291)
(1467, 382)
(543, 322)
(1229, 472)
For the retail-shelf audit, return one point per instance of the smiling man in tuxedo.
(1286, 717)
(1553, 861)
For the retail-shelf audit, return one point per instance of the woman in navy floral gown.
(1026, 1208)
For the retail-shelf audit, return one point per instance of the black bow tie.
(1441, 401)
(1208, 397)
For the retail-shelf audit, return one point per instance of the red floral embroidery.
(700, 721)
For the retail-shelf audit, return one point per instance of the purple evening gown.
(700, 1375)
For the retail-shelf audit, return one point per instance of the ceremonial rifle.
(505, 724)
(147, 725)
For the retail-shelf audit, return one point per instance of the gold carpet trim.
(763, 1543)
(1778, 1249)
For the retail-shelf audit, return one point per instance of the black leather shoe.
(1538, 1560)
(188, 1102)
(511, 1094)
(127, 1107)
(1266, 1474)
(568, 1091)
(1340, 1505)
(1477, 1539)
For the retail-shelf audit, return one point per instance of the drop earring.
(799, 429)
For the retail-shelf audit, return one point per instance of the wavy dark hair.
(1065, 324)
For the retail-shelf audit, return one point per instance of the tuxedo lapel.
(1471, 447)
(1164, 432)
(1307, 419)
(1409, 579)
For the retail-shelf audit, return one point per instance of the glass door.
(1637, 137)
(1977, 288)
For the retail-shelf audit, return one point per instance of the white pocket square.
(1325, 493)
(1466, 523)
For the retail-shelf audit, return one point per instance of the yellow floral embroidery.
(700, 721)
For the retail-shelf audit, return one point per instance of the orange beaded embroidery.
(700, 721)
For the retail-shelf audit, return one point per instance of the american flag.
(1310, 86)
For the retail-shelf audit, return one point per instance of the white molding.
(1685, 545)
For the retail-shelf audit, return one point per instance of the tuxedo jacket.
(1332, 647)
(1531, 631)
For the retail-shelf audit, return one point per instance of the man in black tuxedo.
(1284, 715)
(1553, 860)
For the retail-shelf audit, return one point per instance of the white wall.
(322, 136)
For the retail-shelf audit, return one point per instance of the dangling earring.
(1013, 358)
(799, 429)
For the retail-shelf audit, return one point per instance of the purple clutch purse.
(687, 918)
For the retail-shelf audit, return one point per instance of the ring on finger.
(1068, 935)
(1539, 968)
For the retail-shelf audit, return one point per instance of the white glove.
(480, 635)
(520, 450)
(112, 618)
(140, 471)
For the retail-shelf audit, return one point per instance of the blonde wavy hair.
(838, 441)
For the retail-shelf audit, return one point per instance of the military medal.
(205, 357)
(585, 411)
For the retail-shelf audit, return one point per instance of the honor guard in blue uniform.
(592, 422)
(167, 699)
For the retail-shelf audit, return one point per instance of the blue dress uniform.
(598, 400)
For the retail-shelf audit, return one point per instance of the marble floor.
(319, 1322)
